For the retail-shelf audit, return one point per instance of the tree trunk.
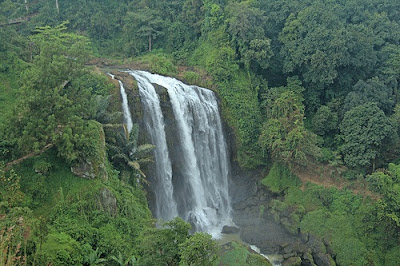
(373, 165)
(26, 5)
(58, 8)
(149, 42)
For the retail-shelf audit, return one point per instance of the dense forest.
(309, 89)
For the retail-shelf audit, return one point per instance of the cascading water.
(125, 106)
(162, 181)
(194, 185)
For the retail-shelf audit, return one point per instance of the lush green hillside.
(303, 84)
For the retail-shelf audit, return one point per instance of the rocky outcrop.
(83, 169)
(108, 201)
(94, 165)
(262, 226)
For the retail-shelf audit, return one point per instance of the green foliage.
(388, 184)
(327, 156)
(283, 135)
(141, 27)
(162, 246)
(10, 190)
(239, 95)
(324, 121)
(159, 63)
(392, 256)
(372, 90)
(318, 40)
(280, 178)
(333, 48)
(191, 77)
(127, 154)
(237, 254)
(60, 249)
(365, 129)
(247, 34)
(199, 249)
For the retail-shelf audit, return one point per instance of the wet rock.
(292, 261)
(288, 255)
(316, 244)
(307, 260)
(108, 201)
(304, 237)
(228, 229)
(288, 249)
(322, 259)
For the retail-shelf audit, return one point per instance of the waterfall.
(166, 207)
(125, 106)
(192, 165)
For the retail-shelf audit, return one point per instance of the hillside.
(307, 91)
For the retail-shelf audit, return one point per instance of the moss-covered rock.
(292, 261)
(235, 254)
(93, 164)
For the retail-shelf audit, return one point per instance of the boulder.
(108, 201)
(322, 259)
(308, 260)
(292, 261)
(83, 169)
(316, 244)
(229, 229)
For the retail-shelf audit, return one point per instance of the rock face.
(292, 261)
(258, 225)
(83, 169)
(108, 201)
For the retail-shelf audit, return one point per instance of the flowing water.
(192, 168)
(125, 106)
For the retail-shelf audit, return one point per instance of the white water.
(166, 207)
(198, 188)
(275, 260)
(125, 106)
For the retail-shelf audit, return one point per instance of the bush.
(326, 156)
(280, 178)
(60, 249)
(191, 77)
(198, 249)
(160, 63)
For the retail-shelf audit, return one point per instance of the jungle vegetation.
(302, 84)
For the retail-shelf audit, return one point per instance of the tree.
(199, 249)
(387, 183)
(143, 23)
(57, 103)
(127, 154)
(321, 46)
(283, 134)
(372, 90)
(324, 121)
(161, 246)
(247, 33)
(365, 129)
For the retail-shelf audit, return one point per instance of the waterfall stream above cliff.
(191, 169)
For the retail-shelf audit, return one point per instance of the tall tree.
(283, 135)
(245, 25)
(365, 129)
(144, 23)
(372, 90)
(55, 106)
